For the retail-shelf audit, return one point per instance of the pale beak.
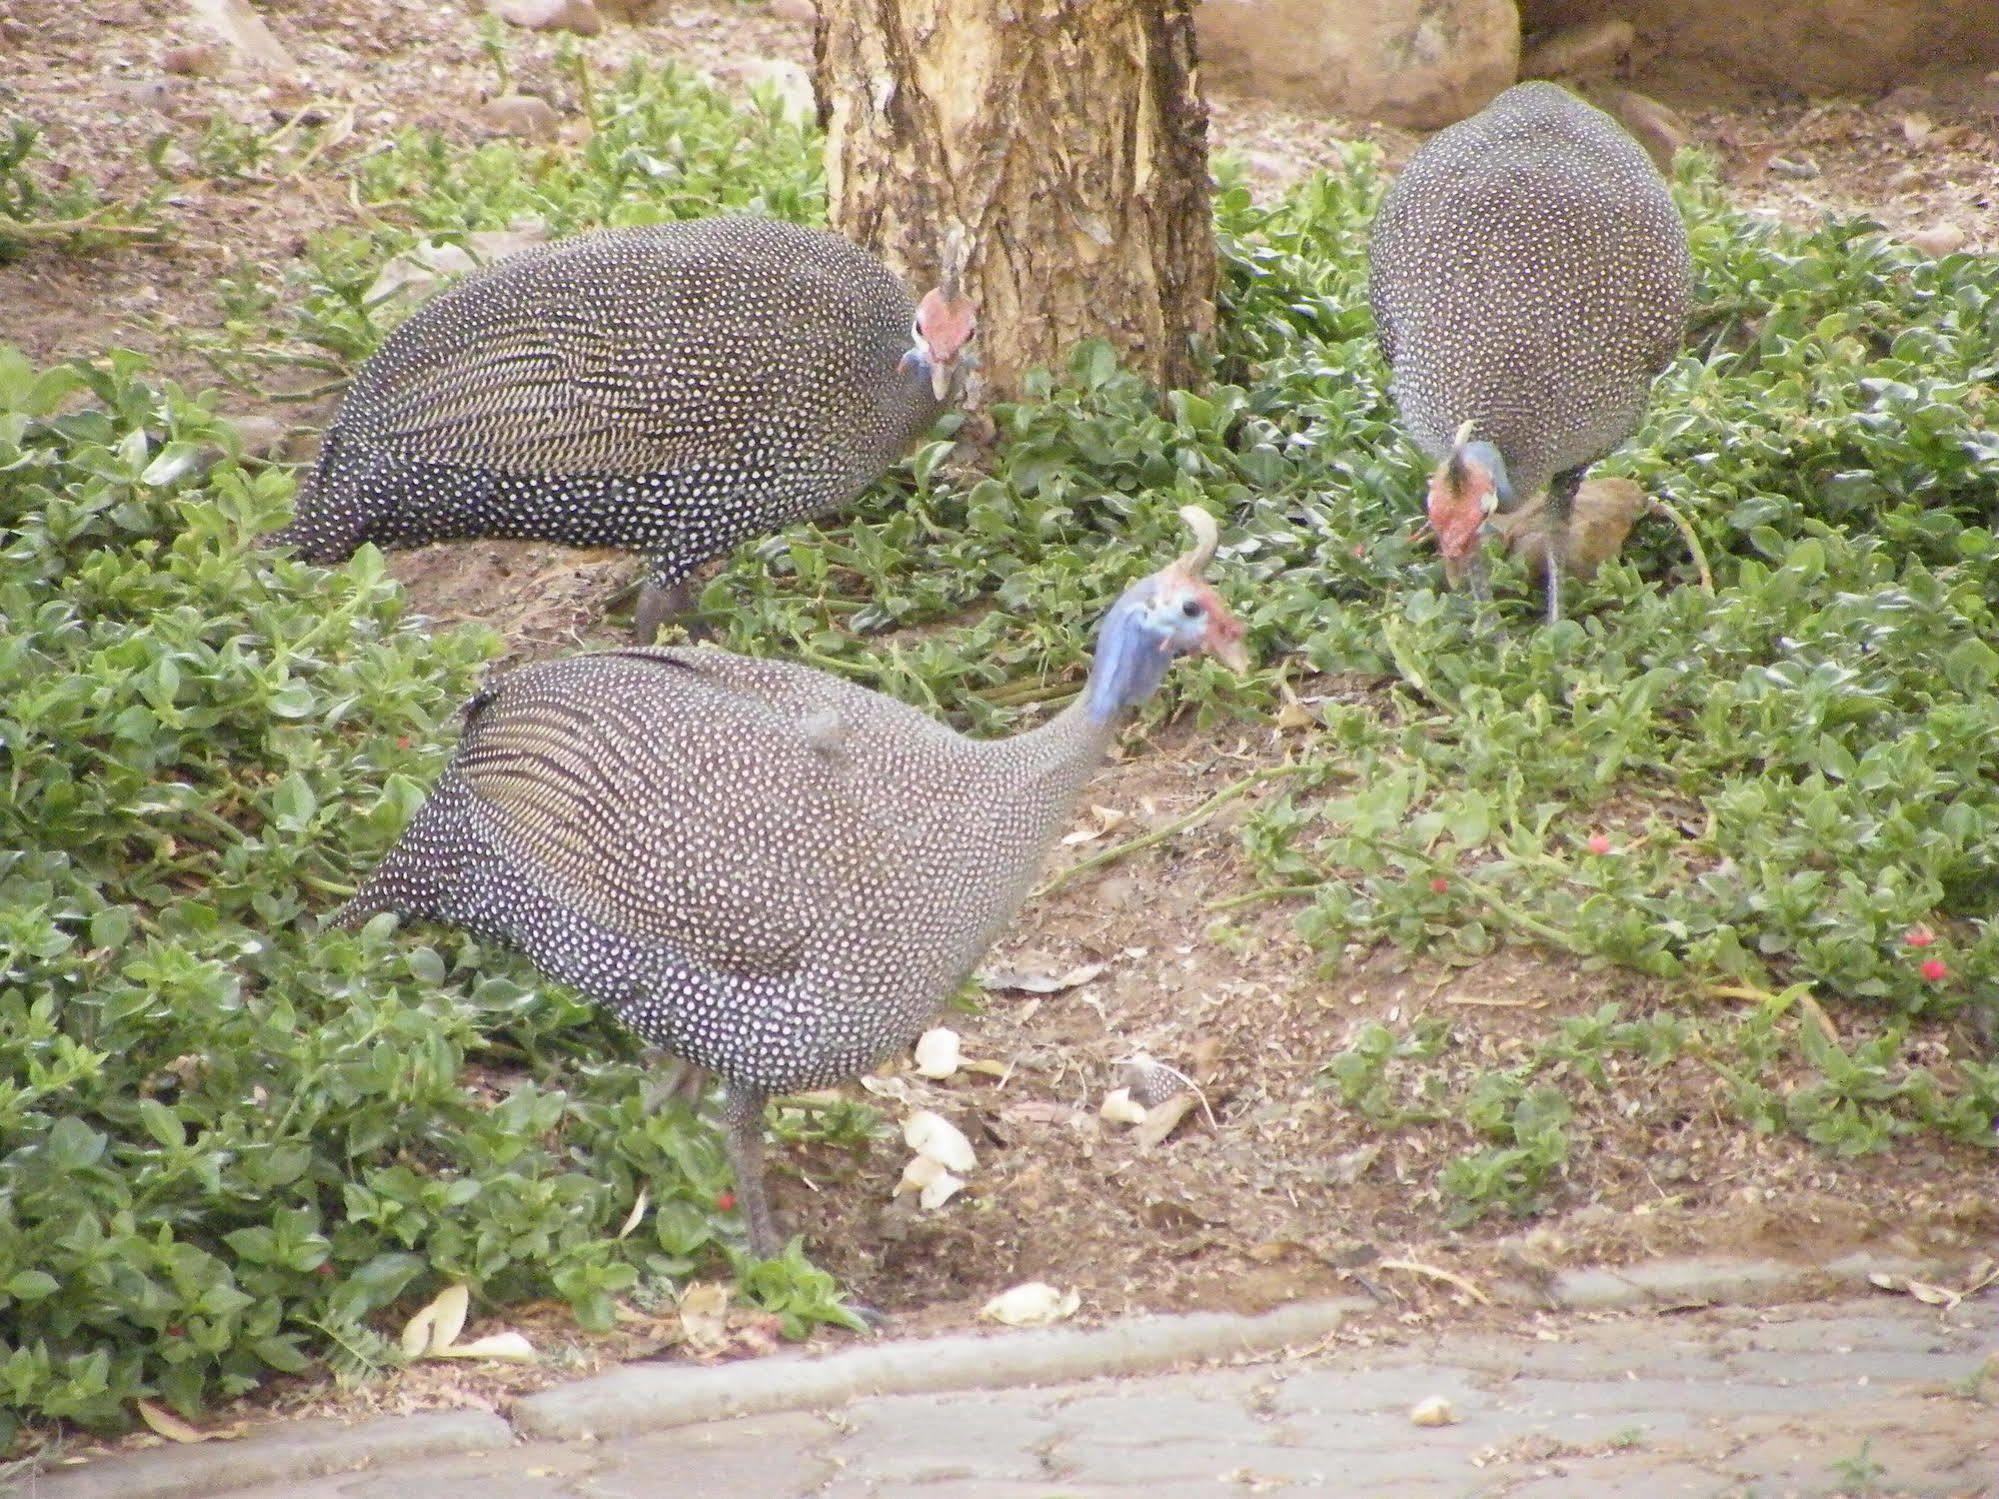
(1228, 649)
(940, 379)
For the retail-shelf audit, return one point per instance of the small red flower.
(1359, 550)
(324, 1267)
(1440, 884)
(726, 1201)
(1599, 843)
(402, 741)
(1920, 936)
(1934, 969)
(176, 1331)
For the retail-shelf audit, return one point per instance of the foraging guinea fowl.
(766, 871)
(1529, 277)
(669, 390)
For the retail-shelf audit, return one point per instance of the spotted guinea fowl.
(768, 872)
(1530, 277)
(669, 390)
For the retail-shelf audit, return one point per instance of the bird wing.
(607, 361)
(655, 797)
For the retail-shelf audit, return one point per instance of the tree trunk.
(1058, 148)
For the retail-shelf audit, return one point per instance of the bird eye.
(1192, 608)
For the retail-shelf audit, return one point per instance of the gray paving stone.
(302, 1449)
(1217, 1406)
(1329, 1392)
(1092, 1460)
(1820, 1334)
(932, 1438)
(762, 1457)
(1696, 1398)
(654, 1397)
(1875, 1366)
(536, 1470)
(1808, 1463)
(1624, 1476)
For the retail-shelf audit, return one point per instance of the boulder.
(243, 31)
(1585, 51)
(520, 114)
(1658, 129)
(1809, 46)
(579, 16)
(1419, 63)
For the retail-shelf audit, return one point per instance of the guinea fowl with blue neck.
(768, 872)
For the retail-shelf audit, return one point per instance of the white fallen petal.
(638, 1211)
(1033, 1303)
(1121, 1108)
(932, 1183)
(938, 1052)
(931, 1134)
(941, 1190)
(928, 1178)
(507, 1347)
(1436, 1411)
(919, 1172)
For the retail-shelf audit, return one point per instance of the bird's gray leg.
(743, 1123)
(1561, 507)
(660, 601)
(1477, 577)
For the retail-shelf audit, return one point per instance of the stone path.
(1878, 1398)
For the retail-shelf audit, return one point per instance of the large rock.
(1420, 63)
(1808, 45)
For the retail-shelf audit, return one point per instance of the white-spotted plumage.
(669, 389)
(1529, 274)
(767, 871)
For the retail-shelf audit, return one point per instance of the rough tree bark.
(1059, 147)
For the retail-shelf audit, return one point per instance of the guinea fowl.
(768, 872)
(670, 389)
(1530, 278)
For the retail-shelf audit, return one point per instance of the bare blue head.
(1172, 613)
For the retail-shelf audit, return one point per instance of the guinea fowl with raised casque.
(1530, 278)
(768, 872)
(671, 390)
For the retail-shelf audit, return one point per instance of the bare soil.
(1273, 1190)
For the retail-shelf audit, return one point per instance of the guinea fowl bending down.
(670, 390)
(770, 873)
(1530, 278)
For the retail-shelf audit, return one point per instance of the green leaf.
(31, 1285)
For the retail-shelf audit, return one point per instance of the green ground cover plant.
(228, 1144)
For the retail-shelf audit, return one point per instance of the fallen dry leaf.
(1034, 1303)
(1023, 982)
(895, 1089)
(437, 1325)
(704, 1316)
(1105, 819)
(504, 1347)
(170, 1426)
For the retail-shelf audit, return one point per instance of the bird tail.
(355, 914)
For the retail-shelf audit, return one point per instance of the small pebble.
(1436, 1411)
(1939, 239)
